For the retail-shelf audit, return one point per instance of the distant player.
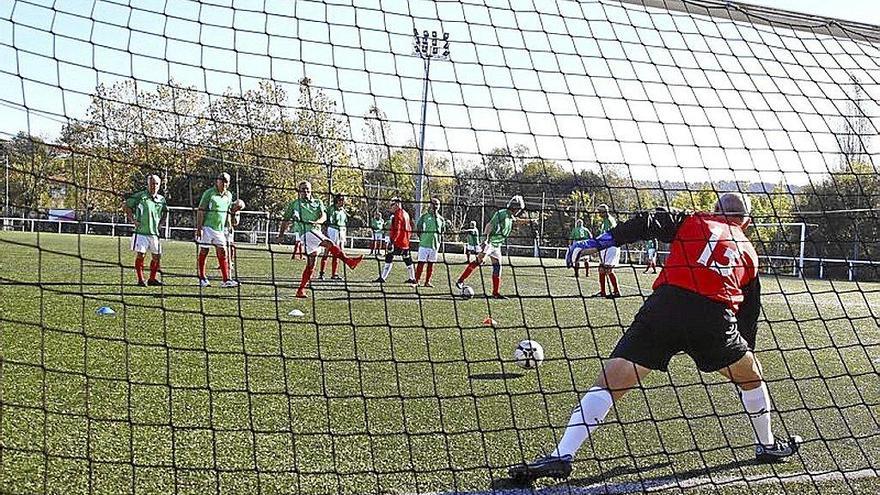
(608, 257)
(212, 220)
(580, 233)
(377, 226)
(472, 240)
(651, 253)
(712, 277)
(398, 242)
(234, 220)
(146, 210)
(337, 219)
(495, 233)
(430, 227)
(309, 212)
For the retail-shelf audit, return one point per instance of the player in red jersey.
(712, 273)
(398, 242)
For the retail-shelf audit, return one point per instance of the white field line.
(671, 482)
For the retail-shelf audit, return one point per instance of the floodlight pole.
(427, 46)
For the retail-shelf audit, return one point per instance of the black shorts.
(404, 253)
(674, 320)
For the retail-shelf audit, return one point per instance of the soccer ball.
(467, 292)
(528, 354)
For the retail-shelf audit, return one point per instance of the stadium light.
(429, 46)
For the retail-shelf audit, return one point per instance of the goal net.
(216, 377)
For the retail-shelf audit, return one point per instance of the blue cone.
(105, 311)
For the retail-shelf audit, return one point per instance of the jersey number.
(730, 252)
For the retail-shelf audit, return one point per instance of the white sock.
(757, 405)
(585, 418)
(411, 269)
(386, 270)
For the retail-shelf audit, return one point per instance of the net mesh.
(367, 387)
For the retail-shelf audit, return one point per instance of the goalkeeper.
(712, 274)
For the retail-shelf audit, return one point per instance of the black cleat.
(543, 467)
(779, 451)
(411, 281)
(141, 283)
(155, 283)
(379, 280)
(499, 296)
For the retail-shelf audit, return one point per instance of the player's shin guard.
(496, 279)
(323, 264)
(757, 405)
(139, 268)
(419, 267)
(602, 283)
(429, 274)
(334, 265)
(154, 268)
(386, 270)
(613, 278)
(586, 417)
(224, 267)
(410, 269)
(202, 260)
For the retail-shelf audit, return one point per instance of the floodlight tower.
(428, 46)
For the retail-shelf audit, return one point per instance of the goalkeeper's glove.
(572, 257)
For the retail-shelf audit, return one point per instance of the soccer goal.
(415, 329)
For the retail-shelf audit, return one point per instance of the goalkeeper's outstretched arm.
(660, 223)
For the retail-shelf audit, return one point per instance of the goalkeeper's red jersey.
(401, 229)
(711, 257)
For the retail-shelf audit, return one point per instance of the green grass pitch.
(392, 390)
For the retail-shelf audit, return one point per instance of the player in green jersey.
(337, 218)
(429, 228)
(146, 210)
(377, 226)
(579, 233)
(309, 213)
(496, 233)
(651, 255)
(472, 240)
(608, 258)
(212, 221)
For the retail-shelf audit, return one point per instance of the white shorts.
(492, 251)
(427, 254)
(211, 237)
(609, 257)
(141, 243)
(378, 236)
(471, 249)
(652, 254)
(312, 242)
(336, 236)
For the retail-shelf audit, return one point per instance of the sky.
(670, 96)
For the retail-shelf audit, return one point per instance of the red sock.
(139, 268)
(429, 274)
(602, 283)
(613, 279)
(154, 268)
(323, 263)
(496, 284)
(306, 276)
(203, 258)
(468, 270)
(419, 267)
(335, 265)
(224, 268)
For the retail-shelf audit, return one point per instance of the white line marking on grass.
(671, 482)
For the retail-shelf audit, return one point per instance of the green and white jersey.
(304, 213)
(579, 233)
(337, 218)
(148, 211)
(429, 228)
(607, 224)
(216, 208)
(473, 237)
(501, 224)
(377, 225)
